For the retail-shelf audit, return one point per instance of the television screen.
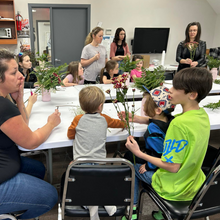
(150, 40)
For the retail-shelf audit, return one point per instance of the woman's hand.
(133, 146)
(18, 96)
(54, 118)
(33, 98)
(97, 56)
(142, 169)
(188, 61)
(194, 64)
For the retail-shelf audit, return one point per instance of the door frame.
(51, 7)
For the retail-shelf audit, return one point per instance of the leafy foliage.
(217, 81)
(48, 76)
(127, 65)
(150, 79)
(213, 106)
(212, 62)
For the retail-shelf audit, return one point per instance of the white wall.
(216, 41)
(146, 13)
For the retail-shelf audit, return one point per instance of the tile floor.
(62, 157)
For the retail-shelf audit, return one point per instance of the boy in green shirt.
(179, 175)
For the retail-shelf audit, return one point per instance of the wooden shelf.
(7, 10)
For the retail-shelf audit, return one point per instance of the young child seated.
(180, 176)
(158, 109)
(74, 75)
(111, 68)
(89, 131)
(138, 70)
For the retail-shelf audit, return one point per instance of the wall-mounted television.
(150, 40)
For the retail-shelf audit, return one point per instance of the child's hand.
(133, 146)
(122, 116)
(142, 169)
(32, 98)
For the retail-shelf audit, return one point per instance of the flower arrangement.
(48, 76)
(127, 65)
(191, 46)
(121, 96)
(212, 62)
(150, 79)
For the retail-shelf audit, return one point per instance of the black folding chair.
(110, 182)
(205, 203)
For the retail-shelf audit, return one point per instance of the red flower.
(55, 74)
(115, 101)
(133, 90)
(124, 87)
(108, 91)
(161, 84)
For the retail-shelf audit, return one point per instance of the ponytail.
(94, 32)
(101, 75)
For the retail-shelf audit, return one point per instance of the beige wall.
(129, 14)
(216, 40)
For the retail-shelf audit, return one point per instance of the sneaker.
(158, 215)
(134, 215)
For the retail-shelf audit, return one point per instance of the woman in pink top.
(138, 70)
(119, 48)
(74, 75)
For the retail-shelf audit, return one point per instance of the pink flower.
(55, 74)
(31, 93)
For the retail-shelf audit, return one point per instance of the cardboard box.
(146, 60)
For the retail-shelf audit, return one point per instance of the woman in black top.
(25, 67)
(192, 33)
(21, 179)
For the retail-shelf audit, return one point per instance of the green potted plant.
(213, 64)
(48, 77)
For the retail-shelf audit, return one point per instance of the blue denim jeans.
(28, 191)
(145, 177)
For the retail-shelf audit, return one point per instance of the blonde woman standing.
(94, 56)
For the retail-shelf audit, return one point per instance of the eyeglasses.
(192, 30)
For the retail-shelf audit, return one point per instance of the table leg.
(50, 165)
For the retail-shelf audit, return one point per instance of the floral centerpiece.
(121, 96)
(48, 76)
(191, 46)
(212, 62)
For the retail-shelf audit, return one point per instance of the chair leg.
(140, 205)
(207, 218)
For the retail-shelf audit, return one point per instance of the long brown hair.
(116, 38)
(20, 58)
(197, 39)
(110, 65)
(73, 70)
(94, 32)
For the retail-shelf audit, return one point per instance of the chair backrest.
(206, 202)
(102, 184)
(211, 160)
